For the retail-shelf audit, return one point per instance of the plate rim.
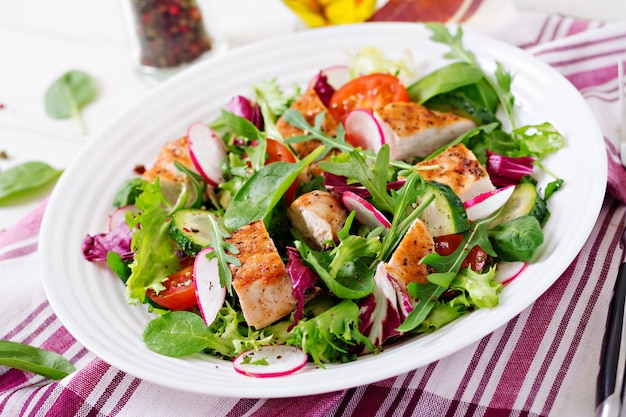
(46, 240)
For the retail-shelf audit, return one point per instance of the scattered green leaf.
(32, 359)
(68, 94)
(26, 178)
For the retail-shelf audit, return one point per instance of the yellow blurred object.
(315, 13)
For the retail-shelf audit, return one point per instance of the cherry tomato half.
(276, 152)
(476, 258)
(179, 292)
(366, 92)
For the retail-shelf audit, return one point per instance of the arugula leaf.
(502, 83)
(404, 200)
(426, 295)
(32, 359)
(260, 194)
(68, 94)
(374, 179)
(220, 252)
(155, 256)
(26, 178)
(197, 181)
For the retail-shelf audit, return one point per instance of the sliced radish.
(207, 151)
(362, 129)
(336, 76)
(508, 271)
(206, 281)
(119, 216)
(270, 361)
(484, 204)
(366, 213)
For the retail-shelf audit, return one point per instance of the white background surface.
(42, 39)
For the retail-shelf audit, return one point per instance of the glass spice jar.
(168, 35)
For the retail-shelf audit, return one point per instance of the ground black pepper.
(170, 32)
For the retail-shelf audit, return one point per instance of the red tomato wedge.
(179, 292)
(366, 92)
(276, 152)
(476, 258)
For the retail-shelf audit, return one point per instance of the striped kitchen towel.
(541, 363)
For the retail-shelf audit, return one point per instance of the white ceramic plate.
(89, 299)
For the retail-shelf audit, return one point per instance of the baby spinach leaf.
(24, 178)
(68, 94)
(260, 194)
(128, 192)
(32, 359)
(462, 105)
(354, 279)
(444, 80)
(517, 240)
(179, 333)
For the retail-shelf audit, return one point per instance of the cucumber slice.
(190, 230)
(524, 201)
(446, 214)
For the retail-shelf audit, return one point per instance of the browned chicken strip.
(404, 264)
(261, 281)
(318, 216)
(170, 180)
(412, 130)
(460, 170)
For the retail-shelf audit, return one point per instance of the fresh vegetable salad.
(369, 206)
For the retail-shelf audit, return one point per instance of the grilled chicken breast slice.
(412, 130)
(460, 170)
(318, 216)
(261, 281)
(404, 265)
(309, 105)
(170, 180)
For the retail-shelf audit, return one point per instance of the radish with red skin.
(363, 130)
(207, 150)
(366, 213)
(206, 281)
(119, 216)
(270, 361)
(508, 271)
(487, 203)
(336, 76)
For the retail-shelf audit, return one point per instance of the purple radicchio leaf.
(96, 247)
(241, 106)
(323, 89)
(508, 170)
(339, 185)
(384, 309)
(302, 278)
